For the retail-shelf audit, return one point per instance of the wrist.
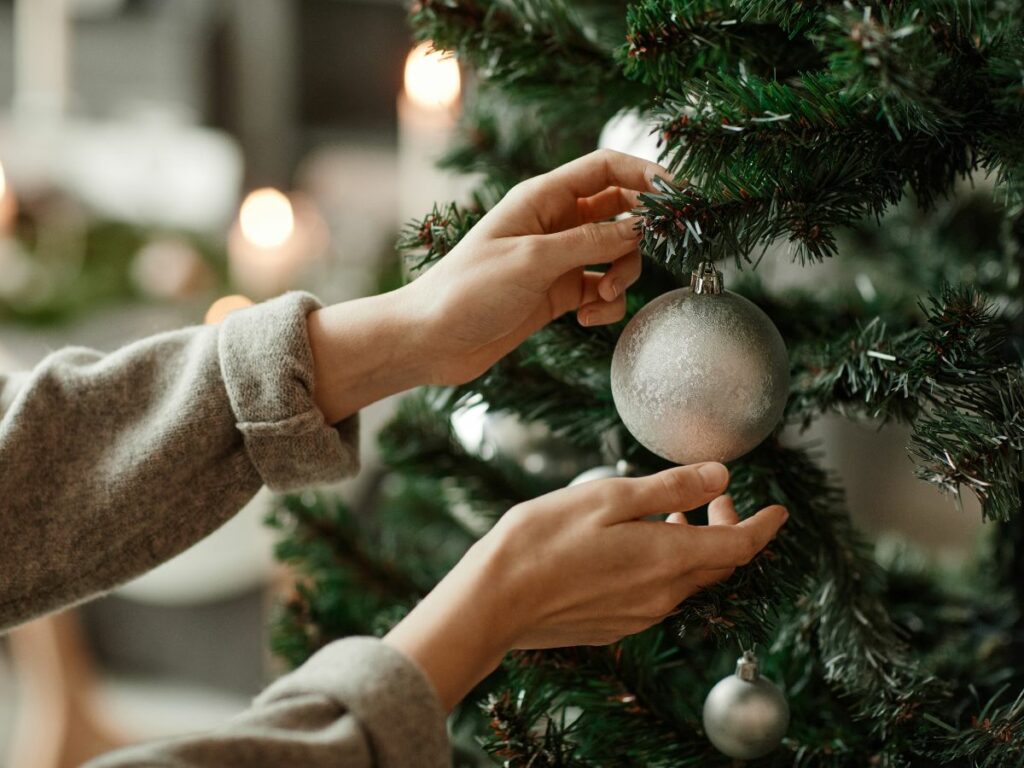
(458, 634)
(365, 350)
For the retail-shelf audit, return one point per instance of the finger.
(604, 205)
(600, 243)
(604, 168)
(622, 274)
(722, 511)
(602, 312)
(729, 546)
(674, 490)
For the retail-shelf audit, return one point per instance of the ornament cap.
(706, 279)
(747, 667)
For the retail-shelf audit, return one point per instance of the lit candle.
(42, 33)
(223, 307)
(428, 110)
(274, 238)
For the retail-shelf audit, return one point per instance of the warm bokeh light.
(221, 308)
(432, 77)
(3, 181)
(267, 218)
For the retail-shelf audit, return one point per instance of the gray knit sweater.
(112, 464)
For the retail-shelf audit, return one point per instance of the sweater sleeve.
(358, 703)
(112, 464)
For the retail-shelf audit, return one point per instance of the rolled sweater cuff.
(390, 697)
(267, 367)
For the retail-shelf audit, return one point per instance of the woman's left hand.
(526, 262)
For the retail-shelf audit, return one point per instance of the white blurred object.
(468, 424)
(42, 41)
(170, 268)
(236, 558)
(604, 472)
(274, 239)
(428, 112)
(633, 134)
(154, 170)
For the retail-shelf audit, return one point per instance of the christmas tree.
(885, 135)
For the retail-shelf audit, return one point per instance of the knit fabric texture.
(111, 464)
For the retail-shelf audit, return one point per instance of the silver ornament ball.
(621, 469)
(700, 373)
(746, 715)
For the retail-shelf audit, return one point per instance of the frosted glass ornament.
(700, 373)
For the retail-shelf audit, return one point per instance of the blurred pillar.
(42, 31)
(265, 84)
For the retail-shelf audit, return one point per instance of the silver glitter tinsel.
(700, 376)
(746, 715)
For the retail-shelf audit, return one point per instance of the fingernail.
(613, 289)
(713, 475)
(585, 318)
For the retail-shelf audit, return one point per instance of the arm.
(579, 566)
(355, 704)
(111, 464)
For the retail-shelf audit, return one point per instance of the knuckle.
(531, 248)
(589, 235)
(616, 492)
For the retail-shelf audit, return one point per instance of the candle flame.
(267, 218)
(432, 78)
(223, 307)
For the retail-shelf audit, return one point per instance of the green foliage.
(815, 127)
(55, 272)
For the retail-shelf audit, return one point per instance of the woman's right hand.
(579, 566)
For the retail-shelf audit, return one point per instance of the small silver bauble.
(700, 373)
(746, 715)
(621, 469)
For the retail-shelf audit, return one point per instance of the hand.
(579, 566)
(521, 266)
(525, 263)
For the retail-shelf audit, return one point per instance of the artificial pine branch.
(425, 241)
(671, 41)
(533, 49)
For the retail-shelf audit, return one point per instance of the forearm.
(355, 704)
(366, 350)
(461, 631)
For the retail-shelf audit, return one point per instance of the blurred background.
(159, 155)
(164, 161)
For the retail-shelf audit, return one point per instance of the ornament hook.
(747, 667)
(706, 279)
